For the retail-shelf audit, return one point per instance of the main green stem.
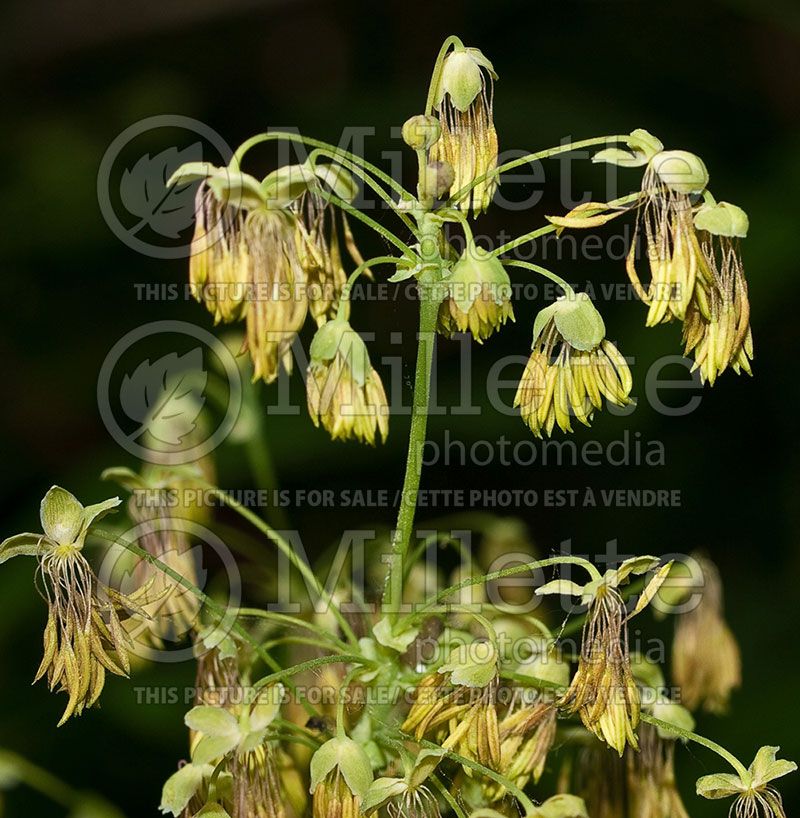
(430, 296)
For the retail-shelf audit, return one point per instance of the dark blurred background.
(721, 78)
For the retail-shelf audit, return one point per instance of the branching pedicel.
(269, 252)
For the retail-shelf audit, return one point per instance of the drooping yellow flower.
(572, 367)
(84, 637)
(603, 691)
(673, 251)
(752, 789)
(706, 663)
(344, 392)
(717, 324)
(478, 296)
(458, 704)
(468, 141)
(652, 789)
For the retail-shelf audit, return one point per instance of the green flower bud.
(722, 219)
(681, 171)
(420, 131)
(437, 179)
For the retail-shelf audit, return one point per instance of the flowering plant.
(429, 687)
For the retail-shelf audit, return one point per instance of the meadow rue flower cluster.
(457, 704)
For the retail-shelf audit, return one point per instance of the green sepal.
(351, 760)
(564, 587)
(641, 140)
(720, 785)
(681, 171)
(766, 767)
(61, 514)
(124, 477)
(21, 545)
(211, 721)
(562, 806)
(211, 748)
(380, 791)
(545, 665)
(338, 179)
(212, 810)
(237, 189)
(266, 708)
(400, 642)
(672, 713)
(190, 172)
(180, 787)
(475, 268)
(284, 185)
(646, 673)
(579, 322)
(621, 158)
(722, 219)
(424, 765)
(461, 79)
(473, 665)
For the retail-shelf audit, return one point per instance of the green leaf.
(61, 515)
(212, 721)
(21, 545)
(720, 785)
(180, 787)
